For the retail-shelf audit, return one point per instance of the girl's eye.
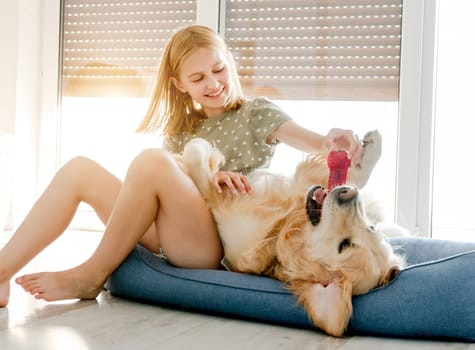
(219, 70)
(196, 80)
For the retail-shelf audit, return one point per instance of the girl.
(197, 94)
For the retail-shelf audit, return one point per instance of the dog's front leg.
(359, 174)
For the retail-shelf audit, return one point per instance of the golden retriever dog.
(321, 245)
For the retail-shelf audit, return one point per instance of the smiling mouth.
(315, 197)
(216, 94)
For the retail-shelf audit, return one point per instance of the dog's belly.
(238, 232)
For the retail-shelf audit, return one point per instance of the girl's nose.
(212, 83)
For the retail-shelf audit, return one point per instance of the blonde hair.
(172, 109)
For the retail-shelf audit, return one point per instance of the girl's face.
(204, 75)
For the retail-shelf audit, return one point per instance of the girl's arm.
(309, 141)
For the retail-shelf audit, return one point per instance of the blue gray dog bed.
(433, 297)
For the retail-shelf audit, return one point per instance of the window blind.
(113, 48)
(316, 49)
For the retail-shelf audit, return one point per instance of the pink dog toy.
(338, 164)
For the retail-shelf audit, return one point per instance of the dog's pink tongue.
(338, 164)
(319, 195)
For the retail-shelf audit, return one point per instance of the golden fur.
(269, 233)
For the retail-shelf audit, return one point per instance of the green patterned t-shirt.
(240, 134)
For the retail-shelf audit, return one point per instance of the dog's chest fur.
(250, 220)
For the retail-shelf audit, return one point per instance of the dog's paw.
(202, 161)
(372, 148)
(195, 151)
(196, 145)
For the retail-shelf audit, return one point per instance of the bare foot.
(4, 293)
(69, 284)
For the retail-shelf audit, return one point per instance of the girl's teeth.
(216, 94)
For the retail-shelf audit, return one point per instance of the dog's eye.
(346, 243)
(372, 228)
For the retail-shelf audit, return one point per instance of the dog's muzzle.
(315, 197)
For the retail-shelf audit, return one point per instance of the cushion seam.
(228, 285)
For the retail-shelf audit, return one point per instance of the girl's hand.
(340, 139)
(235, 182)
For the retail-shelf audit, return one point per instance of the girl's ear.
(178, 85)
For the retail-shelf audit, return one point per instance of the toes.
(42, 296)
(29, 283)
(22, 281)
(33, 289)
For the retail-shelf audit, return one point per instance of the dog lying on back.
(321, 245)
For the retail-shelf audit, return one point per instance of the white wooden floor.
(113, 323)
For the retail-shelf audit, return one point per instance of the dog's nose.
(346, 194)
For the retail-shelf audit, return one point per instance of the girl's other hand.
(235, 182)
(341, 139)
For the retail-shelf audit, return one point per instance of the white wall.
(8, 71)
(8, 67)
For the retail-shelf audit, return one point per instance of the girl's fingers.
(216, 185)
(234, 182)
(247, 185)
(356, 152)
(347, 140)
(243, 184)
(229, 182)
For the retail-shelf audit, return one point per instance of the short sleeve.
(265, 117)
(170, 144)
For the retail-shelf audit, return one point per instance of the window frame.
(414, 179)
(49, 120)
(416, 101)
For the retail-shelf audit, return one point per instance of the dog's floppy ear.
(390, 274)
(328, 304)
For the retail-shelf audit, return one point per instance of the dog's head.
(346, 256)
(345, 240)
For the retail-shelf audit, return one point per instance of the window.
(112, 47)
(111, 50)
(317, 50)
(329, 64)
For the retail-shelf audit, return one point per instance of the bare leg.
(155, 189)
(79, 180)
